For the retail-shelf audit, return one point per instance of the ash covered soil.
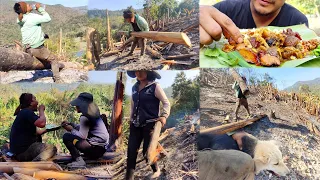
(300, 147)
(121, 61)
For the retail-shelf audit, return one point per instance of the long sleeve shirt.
(30, 27)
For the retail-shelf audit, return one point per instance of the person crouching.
(90, 137)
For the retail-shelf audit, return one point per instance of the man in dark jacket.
(228, 16)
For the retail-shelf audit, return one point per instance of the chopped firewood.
(25, 171)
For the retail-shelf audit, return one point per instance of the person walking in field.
(242, 99)
(33, 37)
(25, 137)
(90, 137)
(145, 112)
(138, 24)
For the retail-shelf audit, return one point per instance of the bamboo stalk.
(7, 167)
(57, 175)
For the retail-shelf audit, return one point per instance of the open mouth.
(273, 173)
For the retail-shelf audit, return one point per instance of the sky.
(286, 77)
(66, 3)
(109, 77)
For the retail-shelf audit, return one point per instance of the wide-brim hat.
(86, 105)
(154, 74)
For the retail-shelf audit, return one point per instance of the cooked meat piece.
(268, 60)
(231, 41)
(228, 48)
(291, 41)
(273, 51)
(254, 42)
(271, 41)
(249, 56)
(289, 32)
(240, 46)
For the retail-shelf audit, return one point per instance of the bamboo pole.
(26, 171)
(232, 126)
(173, 37)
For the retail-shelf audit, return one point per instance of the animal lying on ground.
(266, 155)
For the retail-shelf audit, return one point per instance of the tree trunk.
(17, 60)
(109, 45)
(116, 121)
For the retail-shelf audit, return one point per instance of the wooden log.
(242, 84)
(153, 53)
(90, 46)
(173, 37)
(25, 171)
(166, 67)
(151, 153)
(182, 56)
(232, 126)
(57, 175)
(19, 176)
(116, 119)
(17, 60)
(7, 167)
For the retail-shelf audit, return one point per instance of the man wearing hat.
(242, 99)
(145, 112)
(138, 24)
(90, 137)
(33, 37)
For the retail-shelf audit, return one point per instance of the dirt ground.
(43, 76)
(300, 148)
(121, 61)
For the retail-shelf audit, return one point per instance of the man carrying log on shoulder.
(138, 24)
(242, 99)
(25, 138)
(33, 37)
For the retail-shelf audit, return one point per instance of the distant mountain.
(314, 85)
(72, 21)
(102, 13)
